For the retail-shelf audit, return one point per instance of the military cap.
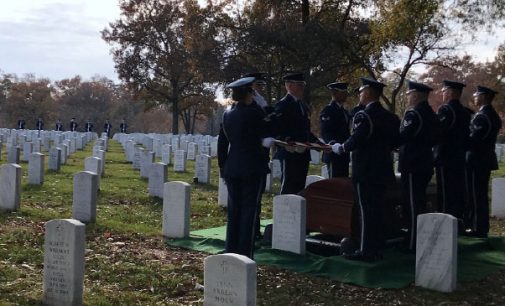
(420, 87)
(243, 82)
(366, 82)
(340, 86)
(481, 90)
(260, 77)
(452, 84)
(294, 77)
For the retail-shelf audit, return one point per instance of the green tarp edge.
(477, 258)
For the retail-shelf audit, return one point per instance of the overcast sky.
(61, 38)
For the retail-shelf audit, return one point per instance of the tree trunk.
(305, 11)
(175, 107)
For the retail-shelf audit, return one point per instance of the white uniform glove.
(267, 142)
(337, 148)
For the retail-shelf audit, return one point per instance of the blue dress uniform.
(374, 135)
(418, 132)
(122, 127)
(88, 126)
(21, 124)
(481, 160)
(244, 169)
(58, 126)
(450, 155)
(107, 128)
(73, 125)
(334, 122)
(292, 123)
(39, 125)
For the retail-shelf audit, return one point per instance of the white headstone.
(289, 214)
(229, 279)
(312, 179)
(13, 155)
(324, 172)
(54, 159)
(147, 159)
(85, 194)
(10, 186)
(137, 157)
(268, 182)
(276, 169)
(191, 151)
(315, 157)
(36, 169)
(27, 151)
(64, 245)
(498, 197)
(100, 154)
(437, 252)
(180, 161)
(222, 193)
(93, 164)
(157, 179)
(64, 150)
(202, 168)
(213, 148)
(176, 209)
(166, 153)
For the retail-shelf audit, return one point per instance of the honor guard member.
(88, 127)
(59, 126)
(123, 126)
(450, 152)
(107, 127)
(244, 167)
(73, 125)
(334, 123)
(373, 138)
(39, 125)
(258, 86)
(292, 123)
(482, 159)
(21, 124)
(417, 139)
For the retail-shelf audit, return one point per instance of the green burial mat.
(477, 258)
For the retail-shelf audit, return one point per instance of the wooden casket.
(331, 209)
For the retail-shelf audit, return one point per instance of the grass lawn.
(127, 262)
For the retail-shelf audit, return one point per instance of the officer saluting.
(450, 153)
(484, 129)
(334, 122)
(293, 124)
(243, 166)
(417, 138)
(373, 137)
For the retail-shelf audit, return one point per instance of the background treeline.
(172, 56)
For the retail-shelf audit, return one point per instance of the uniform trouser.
(338, 169)
(479, 184)
(451, 191)
(294, 173)
(369, 197)
(414, 201)
(243, 194)
(257, 226)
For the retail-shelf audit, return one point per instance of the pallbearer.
(481, 160)
(243, 166)
(450, 153)
(417, 138)
(334, 121)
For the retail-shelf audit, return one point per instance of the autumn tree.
(166, 47)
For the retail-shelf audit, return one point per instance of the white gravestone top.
(498, 197)
(176, 209)
(289, 214)
(202, 168)
(180, 161)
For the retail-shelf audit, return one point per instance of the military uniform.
(21, 124)
(417, 137)
(450, 155)
(481, 160)
(374, 135)
(107, 128)
(334, 123)
(58, 126)
(292, 123)
(88, 126)
(39, 125)
(73, 126)
(122, 127)
(243, 166)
